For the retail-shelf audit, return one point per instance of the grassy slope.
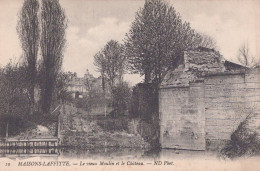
(88, 131)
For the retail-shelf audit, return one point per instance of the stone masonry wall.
(208, 111)
(182, 117)
(196, 63)
(229, 99)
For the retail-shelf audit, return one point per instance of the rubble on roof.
(197, 63)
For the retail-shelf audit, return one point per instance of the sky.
(92, 23)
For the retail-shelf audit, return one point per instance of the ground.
(84, 130)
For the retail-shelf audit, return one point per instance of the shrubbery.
(15, 109)
(121, 99)
(243, 142)
(14, 103)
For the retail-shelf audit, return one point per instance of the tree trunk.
(31, 101)
(147, 76)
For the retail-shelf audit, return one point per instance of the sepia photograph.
(129, 84)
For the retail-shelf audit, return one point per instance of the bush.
(144, 101)
(243, 142)
(121, 98)
(14, 103)
(15, 109)
(113, 124)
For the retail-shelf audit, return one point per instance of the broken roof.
(196, 64)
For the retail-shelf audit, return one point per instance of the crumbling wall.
(182, 117)
(210, 110)
(198, 61)
(229, 99)
(225, 94)
(224, 101)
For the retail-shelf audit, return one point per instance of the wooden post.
(58, 129)
(105, 113)
(6, 133)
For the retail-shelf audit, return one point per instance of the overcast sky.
(93, 23)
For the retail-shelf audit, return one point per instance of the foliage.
(100, 63)
(53, 26)
(206, 41)
(244, 56)
(29, 34)
(93, 99)
(243, 142)
(144, 101)
(13, 90)
(148, 129)
(62, 93)
(121, 99)
(110, 62)
(157, 39)
(14, 103)
(88, 80)
(42, 26)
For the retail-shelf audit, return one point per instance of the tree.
(115, 62)
(157, 40)
(53, 26)
(14, 103)
(62, 93)
(121, 99)
(206, 41)
(244, 56)
(29, 34)
(12, 85)
(110, 62)
(155, 45)
(100, 63)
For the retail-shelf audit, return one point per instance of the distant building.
(76, 85)
(90, 87)
(80, 86)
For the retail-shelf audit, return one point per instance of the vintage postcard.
(129, 85)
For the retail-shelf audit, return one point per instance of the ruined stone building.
(202, 102)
